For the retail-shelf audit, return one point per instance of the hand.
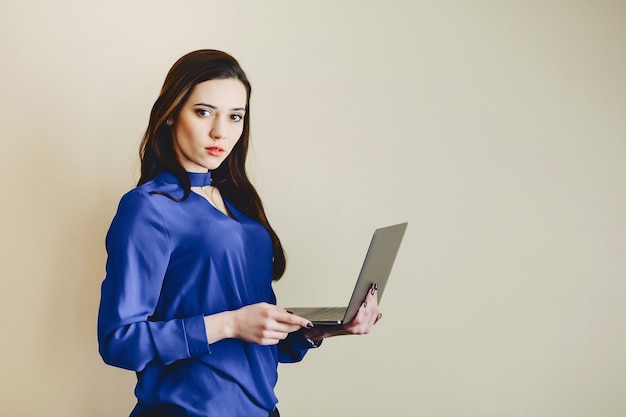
(367, 316)
(261, 323)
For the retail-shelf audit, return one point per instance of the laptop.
(376, 269)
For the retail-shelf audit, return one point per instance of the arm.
(262, 323)
(138, 250)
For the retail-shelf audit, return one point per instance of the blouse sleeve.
(138, 249)
(294, 347)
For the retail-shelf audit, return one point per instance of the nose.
(218, 129)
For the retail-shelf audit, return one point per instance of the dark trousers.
(274, 413)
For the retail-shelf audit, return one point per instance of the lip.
(214, 150)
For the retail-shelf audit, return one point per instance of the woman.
(187, 301)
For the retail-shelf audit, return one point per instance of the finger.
(274, 335)
(369, 306)
(294, 319)
(372, 320)
(373, 289)
(269, 341)
(368, 313)
(283, 327)
(372, 294)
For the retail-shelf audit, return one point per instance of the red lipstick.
(214, 150)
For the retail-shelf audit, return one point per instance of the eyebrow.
(215, 108)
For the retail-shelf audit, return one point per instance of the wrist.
(230, 324)
(220, 326)
(314, 336)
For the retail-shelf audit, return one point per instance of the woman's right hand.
(262, 323)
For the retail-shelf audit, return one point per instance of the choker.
(200, 179)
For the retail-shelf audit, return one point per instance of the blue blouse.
(169, 264)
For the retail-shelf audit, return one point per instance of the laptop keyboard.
(326, 314)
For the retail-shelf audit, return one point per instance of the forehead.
(227, 93)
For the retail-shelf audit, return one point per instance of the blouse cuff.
(180, 338)
(294, 347)
(195, 330)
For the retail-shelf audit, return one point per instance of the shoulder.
(135, 207)
(140, 195)
(164, 183)
(139, 213)
(142, 201)
(151, 193)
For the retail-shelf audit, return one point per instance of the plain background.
(496, 129)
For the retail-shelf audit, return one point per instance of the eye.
(203, 112)
(236, 117)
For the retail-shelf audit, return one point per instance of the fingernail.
(364, 304)
(373, 290)
(290, 312)
(376, 287)
(310, 325)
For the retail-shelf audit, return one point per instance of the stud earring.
(169, 122)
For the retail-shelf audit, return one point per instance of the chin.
(214, 165)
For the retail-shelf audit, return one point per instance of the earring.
(168, 122)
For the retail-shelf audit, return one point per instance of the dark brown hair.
(157, 148)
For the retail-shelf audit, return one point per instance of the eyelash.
(205, 113)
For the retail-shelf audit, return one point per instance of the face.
(209, 124)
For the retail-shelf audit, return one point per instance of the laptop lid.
(377, 266)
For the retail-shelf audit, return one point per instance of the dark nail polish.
(310, 325)
(364, 304)
(375, 287)
(373, 290)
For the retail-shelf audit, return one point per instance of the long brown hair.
(157, 148)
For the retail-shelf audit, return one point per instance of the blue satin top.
(169, 264)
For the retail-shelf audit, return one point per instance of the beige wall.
(497, 129)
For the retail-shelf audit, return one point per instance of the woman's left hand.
(367, 316)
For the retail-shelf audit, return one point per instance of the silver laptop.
(376, 269)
